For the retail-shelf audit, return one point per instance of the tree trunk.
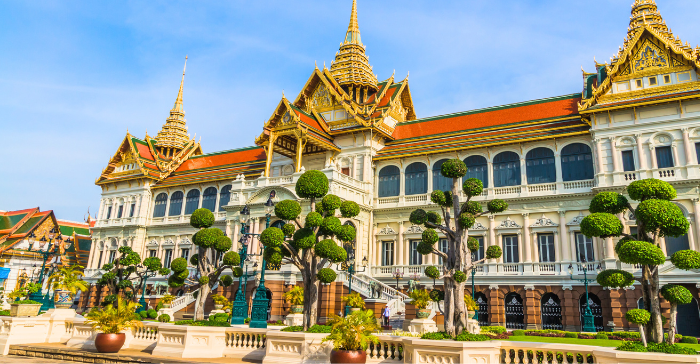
(449, 306)
(643, 335)
(459, 316)
(310, 300)
(658, 327)
(204, 291)
(672, 324)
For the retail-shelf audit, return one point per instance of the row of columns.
(114, 203)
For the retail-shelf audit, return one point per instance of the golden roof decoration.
(351, 66)
(174, 132)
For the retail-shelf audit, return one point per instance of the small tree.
(657, 217)
(675, 295)
(300, 242)
(457, 261)
(210, 242)
(641, 318)
(125, 268)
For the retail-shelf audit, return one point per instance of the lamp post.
(52, 249)
(476, 311)
(239, 310)
(588, 319)
(350, 268)
(397, 275)
(142, 301)
(258, 316)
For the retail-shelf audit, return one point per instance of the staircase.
(361, 284)
(183, 301)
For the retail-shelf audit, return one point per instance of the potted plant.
(110, 321)
(66, 282)
(421, 299)
(295, 297)
(219, 302)
(471, 305)
(355, 301)
(21, 306)
(351, 335)
(167, 300)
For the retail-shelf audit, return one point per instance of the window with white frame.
(152, 253)
(415, 258)
(132, 210)
(511, 253)
(664, 157)
(479, 254)
(112, 253)
(546, 247)
(584, 248)
(387, 253)
(168, 258)
(628, 161)
(185, 254)
(444, 246)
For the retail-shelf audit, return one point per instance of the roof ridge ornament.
(173, 136)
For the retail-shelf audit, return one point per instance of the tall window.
(576, 162)
(120, 211)
(175, 204)
(546, 245)
(109, 212)
(99, 260)
(224, 196)
(160, 204)
(152, 253)
(168, 258)
(697, 151)
(416, 258)
(132, 210)
(628, 161)
(584, 248)
(209, 199)
(510, 249)
(112, 253)
(506, 169)
(416, 179)
(192, 202)
(540, 166)
(387, 253)
(185, 254)
(664, 157)
(676, 244)
(444, 247)
(440, 182)
(479, 254)
(477, 167)
(389, 183)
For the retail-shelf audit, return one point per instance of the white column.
(99, 211)
(640, 152)
(557, 245)
(430, 179)
(613, 152)
(523, 170)
(535, 247)
(563, 238)
(402, 245)
(367, 167)
(490, 174)
(676, 161)
(557, 168)
(609, 248)
(691, 236)
(689, 158)
(492, 233)
(93, 249)
(402, 188)
(526, 238)
(696, 225)
(354, 167)
(653, 157)
(599, 156)
(662, 245)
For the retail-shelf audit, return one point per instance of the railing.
(573, 185)
(388, 200)
(629, 177)
(280, 180)
(544, 187)
(183, 301)
(667, 173)
(351, 181)
(388, 349)
(507, 190)
(417, 198)
(524, 352)
(145, 333)
(245, 339)
(546, 268)
(361, 284)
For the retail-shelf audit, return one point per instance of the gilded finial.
(316, 64)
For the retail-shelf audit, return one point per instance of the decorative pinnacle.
(178, 101)
(353, 33)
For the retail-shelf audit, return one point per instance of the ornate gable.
(126, 163)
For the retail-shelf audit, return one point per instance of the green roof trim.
(31, 223)
(137, 140)
(494, 108)
(69, 230)
(7, 222)
(225, 152)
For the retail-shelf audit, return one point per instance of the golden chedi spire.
(645, 12)
(173, 136)
(351, 66)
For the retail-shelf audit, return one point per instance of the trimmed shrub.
(330, 225)
(601, 336)
(273, 254)
(434, 217)
(319, 329)
(424, 248)
(651, 188)
(152, 313)
(465, 336)
(329, 249)
(226, 280)
(304, 238)
(494, 252)
(143, 314)
(288, 229)
(432, 272)
(178, 265)
(346, 233)
(326, 275)
(472, 244)
(330, 203)
(494, 329)
(601, 225)
(663, 215)
(689, 340)
(472, 187)
(418, 217)
(204, 280)
(232, 258)
(438, 197)
(313, 219)
(676, 294)
(686, 259)
(448, 199)
(656, 348)
(472, 207)
(608, 202)
(223, 244)
(349, 209)
(207, 237)
(453, 168)
(572, 335)
(437, 295)
(272, 236)
(466, 220)
(237, 271)
(430, 236)
(201, 218)
(615, 278)
(460, 276)
(312, 183)
(194, 259)
(641, 252)
(164, 318)
(518, 332)
(496, 206)
(436, 336)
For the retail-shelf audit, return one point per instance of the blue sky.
(75, 75)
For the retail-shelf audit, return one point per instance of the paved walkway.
(25, 359)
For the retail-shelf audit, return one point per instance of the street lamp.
(142, 301)
(258, 316)
(349, 267)
(239, 310)
(52, 249)
(588, 320)
(397, 275)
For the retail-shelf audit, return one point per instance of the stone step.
(62, 352)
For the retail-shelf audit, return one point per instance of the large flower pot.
(354, 309)
(167, 305)
(62, 299)
(470, 314)
(422, 313)
(218, 307)
(348, 356)
(109, 343)
(296, 309)
(20, 310)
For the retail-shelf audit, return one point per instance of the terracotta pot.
(348, 356)
(423, 313)
(62, 299)
(109, 343)
(296, 309)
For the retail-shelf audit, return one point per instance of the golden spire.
(351, 66)
(173, 136)
(645, 13)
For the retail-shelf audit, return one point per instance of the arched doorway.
(483, 309)
(550, 308)
(514, 311)
(596, 309)
(688, 319)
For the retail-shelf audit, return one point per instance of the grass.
(594, 342)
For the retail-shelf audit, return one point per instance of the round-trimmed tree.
(457, 260)
(311, 243)
(127, 267)
(675, 295)
(657, 217)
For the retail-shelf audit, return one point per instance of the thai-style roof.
(508, 124)
(174, 132)
(351, 66)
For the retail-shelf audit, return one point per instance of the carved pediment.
(262, 195)
(544, 222)
(415, 229)
(508, 224)
(387, 230)
(576, 220)
(478, 226)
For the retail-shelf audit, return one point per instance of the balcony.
(501, 269)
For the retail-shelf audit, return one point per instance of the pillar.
(490, 173)
(599, 156)
(492, 232)
(613, 152)
(496, 315)
(297, 160)
(270, 152)
(535, 247)
(569, 310)
(640, 152)
(689, 159)
(400, 246)
(531, 309)
(557, 247)
(696, 225)
(674, 149)
(609, 248)
(651, 153)
(557, 161)
(526, 238)
(402, 184)
(523, 171)
(563, 238)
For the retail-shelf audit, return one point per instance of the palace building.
(636, 116)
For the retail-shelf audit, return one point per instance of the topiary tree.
(641, 318)
(455, 222)
(127, 267)
(210, 242)
(657, 217)
(675, 295)
(311, 244)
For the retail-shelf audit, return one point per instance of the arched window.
(540, 167)
(514, 311)
(209, 199)
(483, 303)
(416, 178)
(576, 162)
(224, 196)
(477, 167)
(192, 202)
(440, 182)
(389, 183)
(175, 204)
(506, 169)
(160, 204)
(278, 224)
(688, 319)
(550, 308)
(596, 309)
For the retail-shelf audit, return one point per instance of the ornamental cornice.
(508, 224)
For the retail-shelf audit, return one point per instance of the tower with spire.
(173, 137)
(351, 66)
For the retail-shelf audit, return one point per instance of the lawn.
(566, 340)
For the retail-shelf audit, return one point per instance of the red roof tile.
(223, 158)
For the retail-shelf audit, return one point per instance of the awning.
(4, 273)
